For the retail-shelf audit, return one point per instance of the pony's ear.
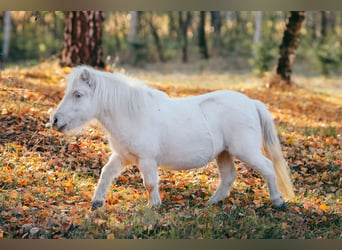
(88, 78)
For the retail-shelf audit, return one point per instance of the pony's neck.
(123, 101)
(120, 96)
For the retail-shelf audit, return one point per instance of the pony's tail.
(273, 151)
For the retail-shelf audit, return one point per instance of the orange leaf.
(100, 222)
(13, 194)
(22, 182)
(318, 201)
(123, 179)
(73, 210)
(324, 207)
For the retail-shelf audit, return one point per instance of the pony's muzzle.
(56, 123)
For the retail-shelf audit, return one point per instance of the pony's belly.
(182, 165)
(183, 158)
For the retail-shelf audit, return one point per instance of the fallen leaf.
(324, 207)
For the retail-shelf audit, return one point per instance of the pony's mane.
(116, 92)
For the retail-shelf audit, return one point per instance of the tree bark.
(156, 40)
(216, 22)
(82, 39)
(258, 27)
(133, 29)
(7, 34)
(288, 46)
(172, 25)
(184, 20)
(202, 42)
(324, 25)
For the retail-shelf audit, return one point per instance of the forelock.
(74, 77)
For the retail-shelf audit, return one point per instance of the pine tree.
(82, 39)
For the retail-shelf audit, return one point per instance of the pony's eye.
(77, 95)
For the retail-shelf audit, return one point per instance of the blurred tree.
(202, 41)
(133, 29)
(172, 24)
(184, 20)
(82, 39)
(216, 23)
(288, 46)
(258, 27)
(6, 34)
(324, 24)
(156, 39)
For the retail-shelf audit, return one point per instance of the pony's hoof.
(281, 207)
(209, 203)
(96, 204)
(155, 205)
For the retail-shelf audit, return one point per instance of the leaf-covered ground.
(47, 179)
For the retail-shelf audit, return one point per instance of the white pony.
(149, 129)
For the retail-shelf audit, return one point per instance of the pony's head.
(78, 105)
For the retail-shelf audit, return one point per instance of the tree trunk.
(324, 24)
(172, 25)
(156, 40)
(288, 46)
(311, 24)
(82, 39)
(184, 19)
(216, 22)
(202, 42)
(7, 34)
(258, 27)
(133, 29)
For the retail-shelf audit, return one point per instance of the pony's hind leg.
(264, 166)
(227, 171)
(111, 170)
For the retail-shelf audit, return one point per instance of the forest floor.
(47, 178)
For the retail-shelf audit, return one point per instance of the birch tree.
(7, 34)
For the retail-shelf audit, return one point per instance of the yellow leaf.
(290, 141)
(325, 176)
(110, 236)
(8, 179)
(67, 184)
(324, 207)
(67, 70)
(4, 112)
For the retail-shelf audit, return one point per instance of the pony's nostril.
(55, 120)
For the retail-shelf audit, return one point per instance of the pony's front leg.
(149, 171)
(111, 170)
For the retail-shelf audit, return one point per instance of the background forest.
(239, 41)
